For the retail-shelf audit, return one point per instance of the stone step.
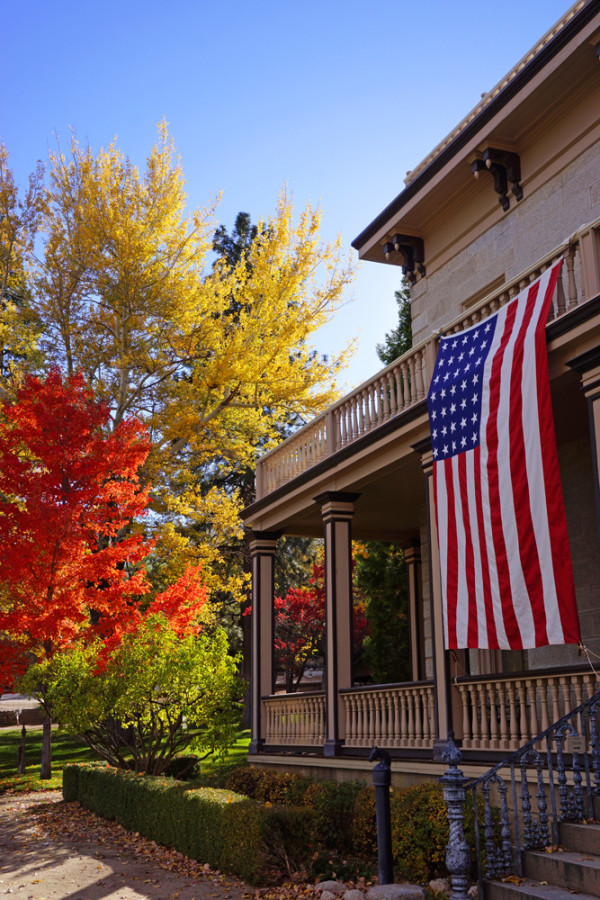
(570, 869)
(528, 890)
(582, 838)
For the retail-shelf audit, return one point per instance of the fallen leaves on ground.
(70, 822)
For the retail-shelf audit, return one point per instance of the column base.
(332, 748)
(256, 747)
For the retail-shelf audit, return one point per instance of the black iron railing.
(551, 779)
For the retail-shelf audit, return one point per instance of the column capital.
(425, 451)
(412, 552)
(336, 497)
(263, 541)
(336, 504)
(588, 366)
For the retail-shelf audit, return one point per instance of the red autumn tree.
(299, 627)
(69, 491)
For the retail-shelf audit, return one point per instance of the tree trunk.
(46, 771)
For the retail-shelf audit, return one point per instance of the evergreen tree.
(399, 339)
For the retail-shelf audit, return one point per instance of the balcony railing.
(405, 382)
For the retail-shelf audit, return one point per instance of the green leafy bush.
(184, 766)
(252, 840)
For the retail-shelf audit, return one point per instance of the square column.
(447, 707)
(588, 367)
(412, 557)
(263, 546)
(337, 510)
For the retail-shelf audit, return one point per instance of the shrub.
(184, 766)
(230, 832)
(364, 824)
(332, 804)
(420, 832)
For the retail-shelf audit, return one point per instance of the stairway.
(557, 875)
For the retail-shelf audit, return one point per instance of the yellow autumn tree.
(126, 294)
(19, 326)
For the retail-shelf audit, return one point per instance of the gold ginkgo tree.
(213, 358)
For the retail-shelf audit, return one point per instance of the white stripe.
(462, 605)
(509, 514)
(441, 505)
(485, 486)
(535, 474)
(483, 639)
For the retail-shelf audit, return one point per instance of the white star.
(432, 396)
(474, 419)
(463, 423)
(453, 427)
(475, 379)
(444, 431)
(452, 408)
(445, 450)
(474, 438)
(463, 442)
(463, 403)
(443, 393)
(443, 411)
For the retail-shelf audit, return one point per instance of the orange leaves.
(69, 491)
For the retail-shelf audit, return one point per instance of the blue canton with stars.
(455, 394)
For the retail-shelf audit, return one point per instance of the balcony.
(395, 390)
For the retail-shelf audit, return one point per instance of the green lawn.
(65, 749)
(68, 749)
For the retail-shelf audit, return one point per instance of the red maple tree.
(69, 491)
(299, 627)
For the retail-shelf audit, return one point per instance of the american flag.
(507, 580)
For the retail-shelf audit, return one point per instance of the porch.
(363, 470)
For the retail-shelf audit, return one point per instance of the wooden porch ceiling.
(384, 470)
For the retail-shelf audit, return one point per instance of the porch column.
(337, 510)
(588, 367)
(441, 667)
(262, 551)
(412, 557)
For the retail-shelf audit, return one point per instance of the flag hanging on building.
(507, 579)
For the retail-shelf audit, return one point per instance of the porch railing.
(520, 802)
(404, 383)
(391, 716)
(295, 719)
(503, 712)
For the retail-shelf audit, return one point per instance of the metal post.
(382, 778)
(21, 752)
(458, 855)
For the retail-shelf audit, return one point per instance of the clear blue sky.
(336, 98)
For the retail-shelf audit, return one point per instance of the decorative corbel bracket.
(505, 168)
(412, 250)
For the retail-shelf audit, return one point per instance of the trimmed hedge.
(226, 830)
(284, 822)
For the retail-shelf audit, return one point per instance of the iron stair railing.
(551, 779)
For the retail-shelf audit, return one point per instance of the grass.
(65, 749)
(69, 749)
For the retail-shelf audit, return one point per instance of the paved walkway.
(50, 850)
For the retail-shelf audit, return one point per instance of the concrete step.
(529, 890)
(570, 869)
(582, 838)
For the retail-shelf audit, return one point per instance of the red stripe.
(559, 538)
(472, 627)
(511, 626)
(528, 551)
(451, 556)
(492, 634)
